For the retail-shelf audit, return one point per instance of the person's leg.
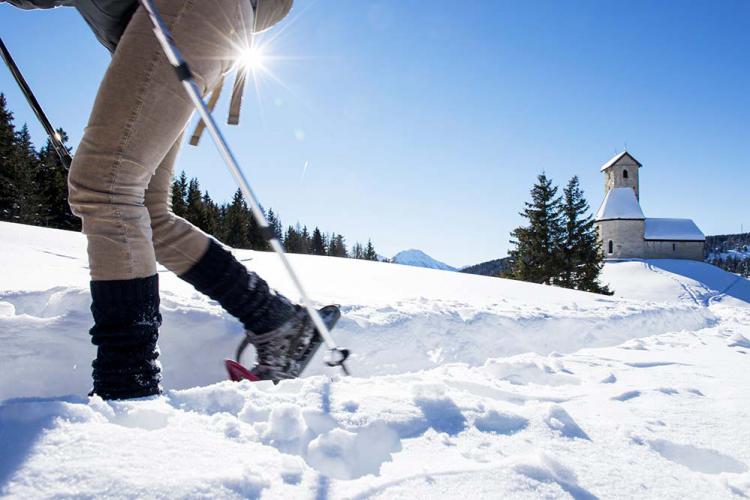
(204, 263)
(140, 111)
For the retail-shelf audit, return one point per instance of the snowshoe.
(285, 352)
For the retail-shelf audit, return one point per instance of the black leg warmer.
(243, 294)
(126, 328)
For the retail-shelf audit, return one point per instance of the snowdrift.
(396, 319)
(464, 387)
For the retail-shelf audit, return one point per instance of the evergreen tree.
(581, 254)
(236, 222)
(7, 160)
(292, 241)
(179, 195)
(337, 246)
(536, 256)
(212, 215)
(318, 243)
(26, 206)
(358, 251)
(370, 253)
(254, 235)
(305, 240)
(52, 182)
(194, 210)
(275, 223)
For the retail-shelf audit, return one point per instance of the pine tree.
(275, 223)
(212, 215)
(26, 207)
(194, 210)
(370, 253)
(179, 194)
(358, 251)
(7, 160)
(536, 256)
(292, 240)
(337, 246)
(52, 182)
(236, 222)
(318, 243)
(581, 254)
(255, 235)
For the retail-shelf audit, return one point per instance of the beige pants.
(120, 180)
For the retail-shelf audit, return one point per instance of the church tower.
(622, 171)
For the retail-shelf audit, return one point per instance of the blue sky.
(424, 124)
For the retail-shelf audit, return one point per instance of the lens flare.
(253, 58)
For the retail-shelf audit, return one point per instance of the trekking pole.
(54, 137)
(337, 354)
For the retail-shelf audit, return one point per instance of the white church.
(626, 233)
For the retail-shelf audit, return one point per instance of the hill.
(418, 258)
(463, 386)
(489, 268)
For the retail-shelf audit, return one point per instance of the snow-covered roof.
(620, 203)
(673, 230)
(617, 158)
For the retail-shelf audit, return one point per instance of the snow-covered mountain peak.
(418, 258)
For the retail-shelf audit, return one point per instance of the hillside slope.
(464, 386)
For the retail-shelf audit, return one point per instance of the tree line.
(34, 190)
(33, 183)
(234, 224)
(559, 244)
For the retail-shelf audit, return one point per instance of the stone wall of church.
(626, 237)
(692, 250)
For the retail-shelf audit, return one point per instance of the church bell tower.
(622, 171)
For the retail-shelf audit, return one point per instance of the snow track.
(465, 387)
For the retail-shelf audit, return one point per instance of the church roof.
(620, 203)
(673, 230)
(616, 158)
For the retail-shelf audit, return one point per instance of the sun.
(253, 58)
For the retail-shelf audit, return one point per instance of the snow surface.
(620, 203)
(672, 230)
(418, 258)
(464, 387)
(617, 158)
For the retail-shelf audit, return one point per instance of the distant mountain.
(418, 258)
(489, 268)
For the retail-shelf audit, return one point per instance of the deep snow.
(464, 386)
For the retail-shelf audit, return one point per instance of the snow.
(620, 203)
(672, 230)
(418, 258)
(617, 158)
(464, 387)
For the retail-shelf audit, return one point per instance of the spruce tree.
(581, 254)
(292, 240)
(236, 222)
(26, 207)
(358, 251)
(317, 244)
(194, 210)
(255, 235)
(7, 160)
(52, 182)
(212, 215)
(370, 253)
(179, 195)
(275, 223)
(536, 256)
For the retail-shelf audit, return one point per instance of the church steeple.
(622, 171)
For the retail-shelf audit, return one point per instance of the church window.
(611, 246)
(624, 174)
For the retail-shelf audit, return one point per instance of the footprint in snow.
(738, 340)
(697, 459)
(626, 396)
(560, 420)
